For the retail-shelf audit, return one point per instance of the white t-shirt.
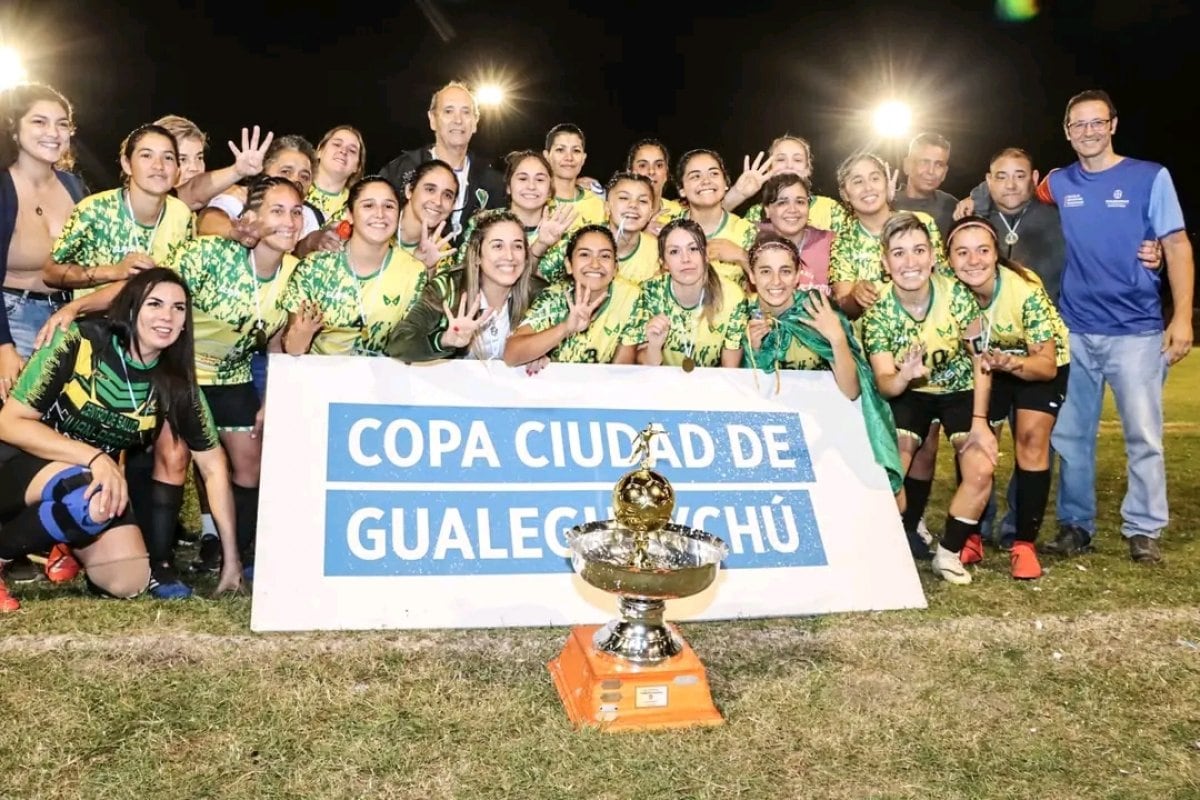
(491, 337)
(233, 208)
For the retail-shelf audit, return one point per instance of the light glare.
(490, 94)
(12, 71)
(893, 119)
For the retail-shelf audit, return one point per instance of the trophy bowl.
(644, 569)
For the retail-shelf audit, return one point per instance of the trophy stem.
(640, 635)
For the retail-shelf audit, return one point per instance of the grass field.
(1085, 684)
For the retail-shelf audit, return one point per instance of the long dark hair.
(174, 375)
(714, 296)
(15, 103)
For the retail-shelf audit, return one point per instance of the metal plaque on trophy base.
(636, 672)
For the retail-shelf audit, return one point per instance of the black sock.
(158, 519)
(916, 496)
(25, 534)
(245, 502)
(957, 531)
(1033, 491)
(139, 471)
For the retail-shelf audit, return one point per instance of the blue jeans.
(26, 316)
(258, 372)
(1136, 368)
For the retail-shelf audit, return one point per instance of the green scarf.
(877, 414)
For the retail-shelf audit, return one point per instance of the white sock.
(207, 526)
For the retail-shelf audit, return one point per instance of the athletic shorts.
(1010, 393)
(233, 407)
(17, 471)
(916, 411)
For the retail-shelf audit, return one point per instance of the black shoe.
(917, 546)
(165, 583)
(22, 570)
(1144, 549)
(209, 557)
(1071, 541)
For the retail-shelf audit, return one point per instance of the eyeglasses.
(1088, 125)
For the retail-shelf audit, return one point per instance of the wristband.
(980, 416)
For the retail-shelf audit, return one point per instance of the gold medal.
(260, 336)
(689, 363)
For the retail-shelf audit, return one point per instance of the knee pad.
(64, 510)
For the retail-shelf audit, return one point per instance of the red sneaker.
(1024, 561)
(972, 552)
(61, 566)
(7, 601)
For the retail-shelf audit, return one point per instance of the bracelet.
(93, 459)
(980, 416)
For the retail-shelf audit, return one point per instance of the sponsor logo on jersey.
(1118, 200)
(1073, 201)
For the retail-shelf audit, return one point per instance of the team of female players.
(158, 360)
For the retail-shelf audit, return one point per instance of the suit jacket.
(485, 186)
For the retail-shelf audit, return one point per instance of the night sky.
(730, 80)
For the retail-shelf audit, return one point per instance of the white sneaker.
(923, 530)
(947, 566)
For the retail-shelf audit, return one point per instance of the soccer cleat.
(61, 566)
(1024, 561)
(7, 601)
(918, 546)
(947, 566)
(972, 552)
(22, 570)
(248, 573)
(208, 559)
(165, 584)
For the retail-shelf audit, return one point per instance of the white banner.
(432, 496)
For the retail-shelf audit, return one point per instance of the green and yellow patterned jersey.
(742, 233)
(857, 254)
(359, 312)
(780, 348)
(823, 212)
(101, 231)
(889, 328)
(1022, 312)
(690, 333)
(589, 209)
(228, 300)
(331, 206)
(669, 210)
(642, 264)
(88, 389)
(598, 343)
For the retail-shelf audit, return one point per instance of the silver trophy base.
(640, 636)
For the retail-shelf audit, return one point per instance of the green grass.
(1085, 684)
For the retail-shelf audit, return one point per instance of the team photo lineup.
(137, 319)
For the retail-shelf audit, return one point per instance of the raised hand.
(753, 176)
(579, 314)
(132, 264)
(893, 182)
(865, 294)
(248, 160)
(463, 325)
(433, 246)
(912, 363)
(309, 319)
(553, 226)
(656, 332)
(822, 318)
(965, 208)
(757, 330)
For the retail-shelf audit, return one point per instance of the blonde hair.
(183, 128)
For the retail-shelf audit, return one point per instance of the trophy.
(637, 672)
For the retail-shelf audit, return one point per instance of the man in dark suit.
(453, 117)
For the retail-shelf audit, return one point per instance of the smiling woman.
(100, 388)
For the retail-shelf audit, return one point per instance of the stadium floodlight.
(12, 71)
(892, 119)
(490, 95)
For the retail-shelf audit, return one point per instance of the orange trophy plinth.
(637, 672)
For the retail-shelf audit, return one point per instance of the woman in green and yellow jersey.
(566, 152)
(651, 158)
(341, 154)
(237, 298)
(428, 201)
(1025, 348)
(469, 311)
(788, 155)
(100, 388)
(578, 321)
(855, 270)
(689, 316)
(629, 200)
(918, 337)
(114, 234)
(527, 177)
(347, 303)
(703, 180)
